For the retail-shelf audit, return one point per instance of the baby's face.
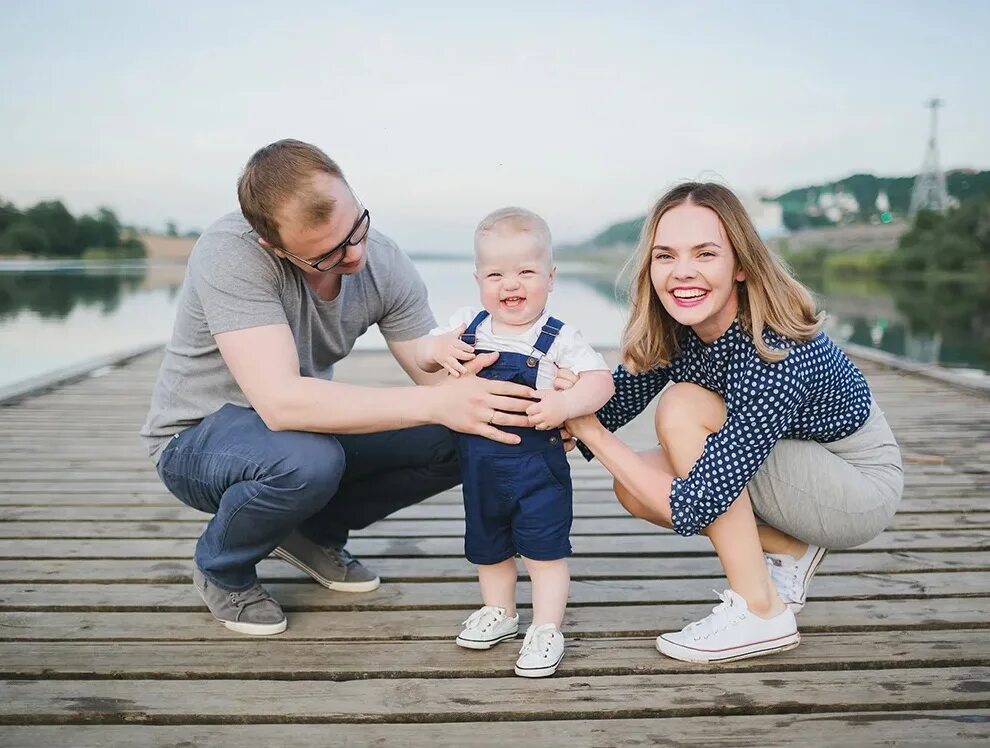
(515, 276)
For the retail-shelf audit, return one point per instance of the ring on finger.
(493, 417)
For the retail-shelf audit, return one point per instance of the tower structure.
(929, 191)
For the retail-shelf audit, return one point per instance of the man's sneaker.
(486, 627)
(252, 611)
(731, 632)
(542, 651)
(791, 576)
(330, 565)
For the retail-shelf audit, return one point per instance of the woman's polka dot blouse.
(815, 393)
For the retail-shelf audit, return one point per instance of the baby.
(517, 497)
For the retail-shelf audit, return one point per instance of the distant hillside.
(962, 184)
(169, 248)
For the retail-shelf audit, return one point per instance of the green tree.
(58, 226)
(9, 215)
(24, 238)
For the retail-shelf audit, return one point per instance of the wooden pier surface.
(104, 642)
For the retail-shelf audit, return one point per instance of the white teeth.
(689, 294)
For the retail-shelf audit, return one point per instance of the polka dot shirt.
(815, 393)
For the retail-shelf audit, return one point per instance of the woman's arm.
(647, 485)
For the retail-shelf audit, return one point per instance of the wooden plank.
(586, 504)
(452, 569)
(251, 658)
(663, 543)
(161, 498)
(921, 729)
(358, 625)
(461, 699)
(425, 528)
(419, 595)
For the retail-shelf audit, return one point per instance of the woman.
(769, 440)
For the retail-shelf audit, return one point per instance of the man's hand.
(551, 410)
(473, 405)
(447, 351)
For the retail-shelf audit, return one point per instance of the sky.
(440, 112)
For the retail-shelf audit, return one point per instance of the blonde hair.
(277, 173)
(512, 220)
(768, 297)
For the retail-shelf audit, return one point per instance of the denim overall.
(517, 497)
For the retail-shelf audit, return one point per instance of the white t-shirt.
(569, 349)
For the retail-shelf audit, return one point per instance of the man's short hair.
(277, 173)
(515, 220)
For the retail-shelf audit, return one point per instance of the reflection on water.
(56, 316)
(55, 293)
(927, 320)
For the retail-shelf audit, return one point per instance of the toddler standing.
(517, 497)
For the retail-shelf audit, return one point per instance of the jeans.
(260, 485)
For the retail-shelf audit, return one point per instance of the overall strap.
(548, 334)
(468, 336)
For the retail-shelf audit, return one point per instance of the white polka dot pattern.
(816, 393)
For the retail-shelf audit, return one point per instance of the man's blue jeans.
(260, 485)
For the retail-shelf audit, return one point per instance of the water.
(58, 315)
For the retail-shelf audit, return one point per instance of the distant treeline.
(955, 244)
(49, 230)
(963, 184)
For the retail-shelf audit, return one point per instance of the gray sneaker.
(330, 565)
(252, 611)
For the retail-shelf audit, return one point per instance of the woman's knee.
(684, 407)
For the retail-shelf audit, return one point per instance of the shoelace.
(785, 575)
(486, 615)
(242, 600)
(722, 615)
(537, 639)
(340, 556)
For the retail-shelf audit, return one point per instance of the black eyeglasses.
(335, 256)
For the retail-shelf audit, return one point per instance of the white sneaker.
(791, 576)
(486, 627)
(542, 651)
(730, 633)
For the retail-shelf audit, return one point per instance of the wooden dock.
(104, 642)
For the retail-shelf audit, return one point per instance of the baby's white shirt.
(569, 349)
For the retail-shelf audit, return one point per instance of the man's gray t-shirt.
(233, 283)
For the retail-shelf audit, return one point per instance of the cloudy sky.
(440, 111)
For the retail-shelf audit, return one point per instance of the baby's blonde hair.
(512, 221)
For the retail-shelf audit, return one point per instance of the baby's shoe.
(542, 651)
(486, 627)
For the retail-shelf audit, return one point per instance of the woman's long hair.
(768, 297)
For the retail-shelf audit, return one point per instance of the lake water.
(57, 315)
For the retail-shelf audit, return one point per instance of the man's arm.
(404, 352)
(264, 362)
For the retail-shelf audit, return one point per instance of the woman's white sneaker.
(792, 576)
(541, 652)
(731, 632)
(486, 627)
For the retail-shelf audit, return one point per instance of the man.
(245, 420)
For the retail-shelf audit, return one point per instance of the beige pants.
(835, 495)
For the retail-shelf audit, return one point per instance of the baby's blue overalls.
(517, 497)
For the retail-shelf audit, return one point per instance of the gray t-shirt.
(233, 283)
